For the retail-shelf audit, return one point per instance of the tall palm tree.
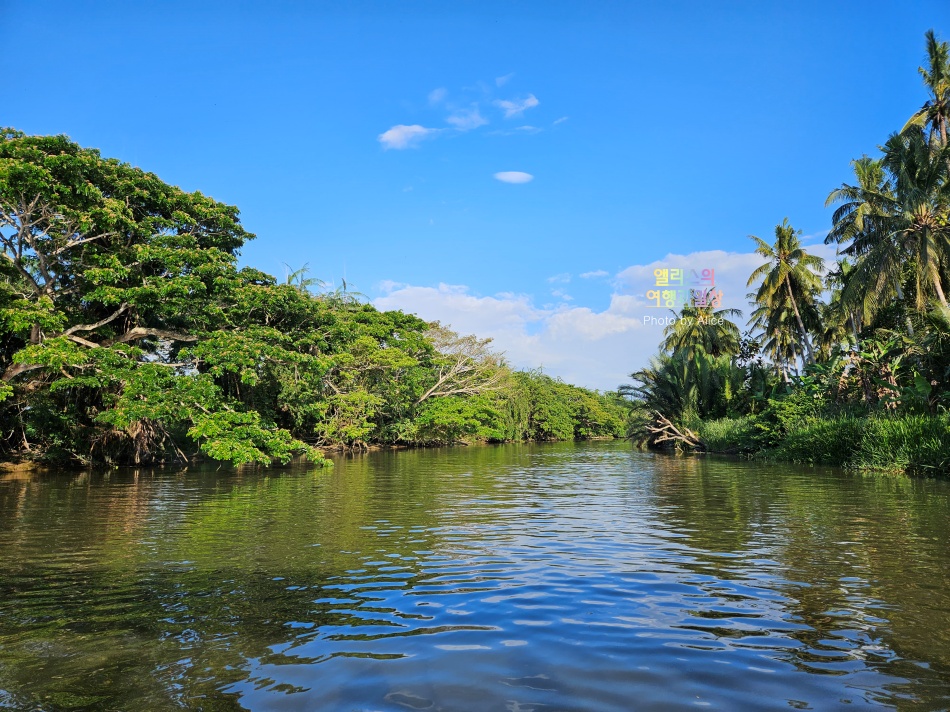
(862, 224)
(790, 276)
(775, 325)
(841, 323)
(920, 226)
(935, 113)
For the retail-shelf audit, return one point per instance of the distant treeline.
(128, 334)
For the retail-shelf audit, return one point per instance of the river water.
(515, 578)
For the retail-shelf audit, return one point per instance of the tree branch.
(92, 327)
(18, 368)
(140, 332)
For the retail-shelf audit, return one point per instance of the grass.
(910, 444)
(730, 435)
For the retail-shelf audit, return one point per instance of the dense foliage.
(847, 364)
(131, 335)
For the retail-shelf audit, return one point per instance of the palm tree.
(841, 323)
(789, 277)
(863, 223)
(663, 386)
(922, 195)
(896, 216)
(702, 327)
(935, 113)
(774, 323)
(299, 279)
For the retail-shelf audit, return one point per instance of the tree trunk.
(939, 288)
(801, 325)
(853, 322)
(900, 297)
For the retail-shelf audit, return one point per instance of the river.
(518, 578)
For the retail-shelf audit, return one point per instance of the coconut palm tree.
(896, 216)
(775, 325)
(841, 324)
(790, 277)
(862, 223)
(705, 328)
(935, 113)
(920, 226)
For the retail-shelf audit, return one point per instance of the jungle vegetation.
(129, 334)
(843, 364)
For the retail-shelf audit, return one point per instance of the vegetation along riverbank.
(842, 364)
(130, 335)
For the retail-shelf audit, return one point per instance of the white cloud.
(437, 96)
(561, 294)
(594, 274)
(388, 285)
(514, 177)
(517, 107)
(402, 136)
(562, 278)
(467, 119)
(518, 131)
(561, 120)
(820, 235)
(598, 349)
(501, 81)
(731, 272)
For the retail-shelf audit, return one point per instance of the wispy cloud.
(402, 136)
(815, 237)
(518, 131)
(561, 294)
(516, 107)
(467, 119)
(561, 120)
(595, 274)
(562, 278)
(465, 113)
(514, 177)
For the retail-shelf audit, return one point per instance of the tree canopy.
(131, 335)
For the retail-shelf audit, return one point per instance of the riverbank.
(906, 444)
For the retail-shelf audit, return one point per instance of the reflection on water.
(521, 578)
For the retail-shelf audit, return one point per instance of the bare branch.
(469, 367)
(662, 430)
(81, 341)
(92, 327)
(140, 332)
(74, 243)
(18, 368)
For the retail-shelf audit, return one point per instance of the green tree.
(109, 276)
(703, 328)
(789, 278)
(935, 113)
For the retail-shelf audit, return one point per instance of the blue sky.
(649, 130)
